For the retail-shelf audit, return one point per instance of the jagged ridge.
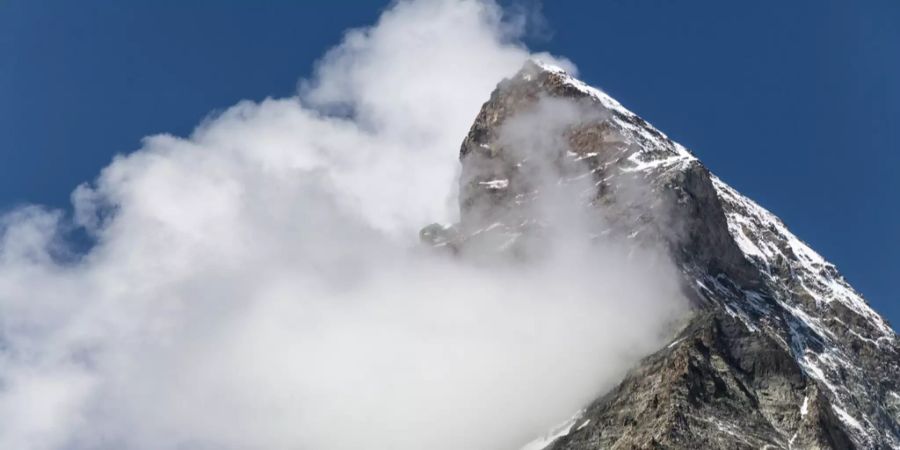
(781, 351)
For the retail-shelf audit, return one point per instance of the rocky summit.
(779, 352)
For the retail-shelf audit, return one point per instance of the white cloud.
(258, 285)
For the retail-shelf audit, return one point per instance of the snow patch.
(639, 165)
(848, 419)
(586, 422)
(500, 183)
(555, 433)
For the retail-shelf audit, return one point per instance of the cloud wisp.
(258, 285)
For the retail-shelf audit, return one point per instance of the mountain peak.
(536, 68)
(780, 352)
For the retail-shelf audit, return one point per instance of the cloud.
(259, 284)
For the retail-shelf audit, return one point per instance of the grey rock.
(780, 352)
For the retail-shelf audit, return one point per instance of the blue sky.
(795, 104)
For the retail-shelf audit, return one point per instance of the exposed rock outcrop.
(780, 351)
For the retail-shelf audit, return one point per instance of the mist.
(260, 283)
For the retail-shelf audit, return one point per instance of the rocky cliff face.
(780, 351)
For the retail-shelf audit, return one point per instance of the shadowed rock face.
(720, 386)
(780, 351)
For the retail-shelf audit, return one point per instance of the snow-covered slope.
(837, 339)
(781, 351)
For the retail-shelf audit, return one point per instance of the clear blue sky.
(796, 104)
